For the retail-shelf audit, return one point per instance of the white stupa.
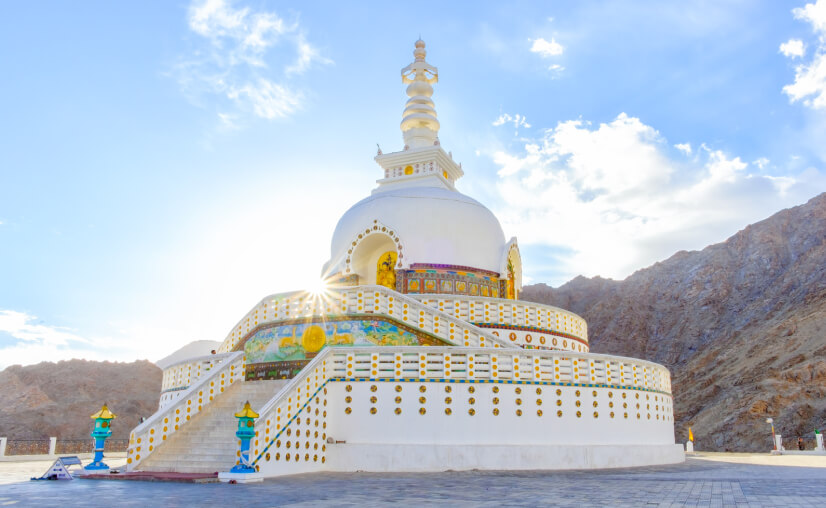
(418, 356)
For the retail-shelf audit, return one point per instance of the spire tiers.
(422, 162)
(419, 125)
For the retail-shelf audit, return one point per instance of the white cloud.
(546, 49)
(556, 70)
(34, 342)
(684, 147)
(517, 120)
(269, 100)
(25, 340)
(793, 48)
(813, 13)
(228, 121)
(809, 84)
(19, 325)
(612, 197)
(762, 162)
(307, 55)
(232, 57)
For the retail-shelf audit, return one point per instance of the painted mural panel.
(280, 352)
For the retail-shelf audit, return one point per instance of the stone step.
(221, 450)
(208, 443)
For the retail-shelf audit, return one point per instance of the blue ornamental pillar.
(246, 431)
(101, 431)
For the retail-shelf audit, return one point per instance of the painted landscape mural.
(279, 352)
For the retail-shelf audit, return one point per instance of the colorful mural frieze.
(281, 351)
(443, 279)
(343, 280)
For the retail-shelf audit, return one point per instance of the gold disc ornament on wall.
(313, 339)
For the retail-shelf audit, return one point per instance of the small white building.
(417, 356)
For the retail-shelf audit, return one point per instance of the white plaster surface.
(423, 457)
(436, 225)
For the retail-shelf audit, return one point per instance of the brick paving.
(700, 481)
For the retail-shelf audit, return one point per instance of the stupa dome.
(426, 225)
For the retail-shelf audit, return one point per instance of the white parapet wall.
(525, 324)
(438, 408)
(180, 376)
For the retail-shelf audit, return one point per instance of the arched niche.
(511, 271)
(365, 258)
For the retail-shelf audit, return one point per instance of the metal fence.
(63, 446)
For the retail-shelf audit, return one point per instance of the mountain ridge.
(56, 399)
(741, 324)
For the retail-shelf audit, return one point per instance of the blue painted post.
(246, 431)
(102, 430)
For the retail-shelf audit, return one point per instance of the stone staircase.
(207, 443)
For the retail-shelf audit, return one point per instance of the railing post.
(52, 445)
(3, 441)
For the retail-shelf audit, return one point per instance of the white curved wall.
(436, 225)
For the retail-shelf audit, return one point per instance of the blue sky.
(165, 165)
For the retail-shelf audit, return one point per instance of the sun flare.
(317, 287)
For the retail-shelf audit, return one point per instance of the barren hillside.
(56, 399)
(741, 324)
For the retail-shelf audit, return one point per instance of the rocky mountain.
(56, 399)
(740, 324)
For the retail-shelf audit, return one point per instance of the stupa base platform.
(345, 457)
(432, 458)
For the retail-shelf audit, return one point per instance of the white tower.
(419, 124)
(422, 162)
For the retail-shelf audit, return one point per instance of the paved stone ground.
(708, 480)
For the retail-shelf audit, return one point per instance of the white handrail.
(436, 362)
(294, 382)
(162, 424)
(204, 358)
(363, 300)
(513, 312)
(283, 402)
(175, 377)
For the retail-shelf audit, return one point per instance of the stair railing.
(498, 311)
(363, 300)
(288, 403)
(154, 431)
